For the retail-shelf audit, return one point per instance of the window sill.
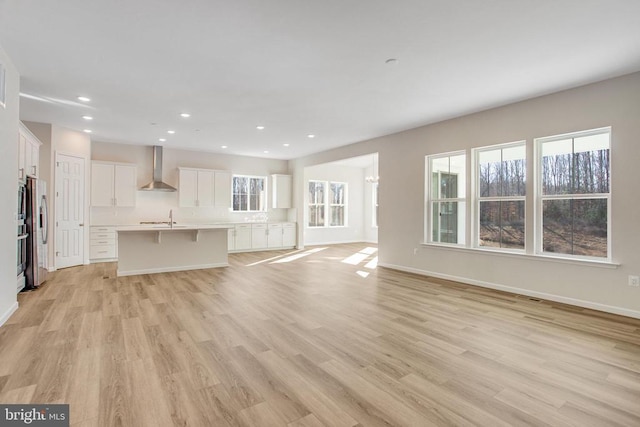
(521, 255)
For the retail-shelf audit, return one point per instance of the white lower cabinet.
(289, 235)
(274, 236)
(242, 237)
(104, 244)
(259, 236)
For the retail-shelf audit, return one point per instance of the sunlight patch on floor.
(298, 256)
(271, 259)
(358, 257)
(362, 273)
(372, 264)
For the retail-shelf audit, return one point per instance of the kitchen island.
(165, 248)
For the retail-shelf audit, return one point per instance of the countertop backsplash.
(155, 206)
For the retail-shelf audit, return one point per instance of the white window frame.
(328, 205)
(477, 199)
(539, 197)
(428, 232)
(323, 204)
(375, 204)
(333, 205)
(263, 200)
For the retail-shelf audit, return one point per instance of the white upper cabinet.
(281, 194)
(28, 153)
(204, 188)
(113, 184)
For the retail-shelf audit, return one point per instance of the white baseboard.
(542, 295)
(171, 269)
(7, 314)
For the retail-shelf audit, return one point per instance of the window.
(376, 209)
(337, 204)
(446, 184)
(501, 182)
(574, 194)
(316, 203)
(249, 193)
(334, 202)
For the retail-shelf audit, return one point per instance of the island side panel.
(139, 252)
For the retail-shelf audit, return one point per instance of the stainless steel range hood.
(157, 184)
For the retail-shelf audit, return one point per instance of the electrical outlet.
(634, 280)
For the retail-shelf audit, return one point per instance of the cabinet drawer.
(102, 241)
(289, 225)
(258, 226)
(103, 236)
(275, 226)
(102, 251)
(102, 229)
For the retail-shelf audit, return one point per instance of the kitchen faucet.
(171, 218)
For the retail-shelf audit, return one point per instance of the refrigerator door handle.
(44, 219)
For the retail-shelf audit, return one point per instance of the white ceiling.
(301, 67)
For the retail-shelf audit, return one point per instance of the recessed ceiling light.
(391, 61)
(266, 151)
(224, 146)
(171, 132)
(260, 127)
(162, 139)
(83, 99)
(87, 117)
(286, 145)
(185, 115)
(311, 135)
(87, 131)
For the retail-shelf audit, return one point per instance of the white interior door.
(69, 210)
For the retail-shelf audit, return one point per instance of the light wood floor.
(313, 342)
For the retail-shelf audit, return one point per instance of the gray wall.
(614, 103)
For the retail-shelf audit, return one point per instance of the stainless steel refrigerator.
(38, 230)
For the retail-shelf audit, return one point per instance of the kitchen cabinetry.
(274, 236)
(259, 236)
(204, 188)
(242, 237)
(281, 194)
(103, 244)
(28, 153)
(113, 184)
(289, 235)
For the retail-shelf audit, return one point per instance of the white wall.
(354, 230)
(154, 205)
(614, 103)
(9, 117)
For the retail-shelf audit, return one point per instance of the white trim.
(7, 314)
(586, 262)
(542, 295)
(171, 269)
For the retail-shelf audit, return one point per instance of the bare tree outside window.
(575, 180)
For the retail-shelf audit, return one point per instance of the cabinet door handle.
(35, 170)
(21, 170)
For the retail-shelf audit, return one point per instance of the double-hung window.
(501, 189)
(574, 198)
(321, 201)
(446, 176)
(249, 193)
(337, 204)
(316, 203)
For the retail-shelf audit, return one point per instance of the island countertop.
(167, 227)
